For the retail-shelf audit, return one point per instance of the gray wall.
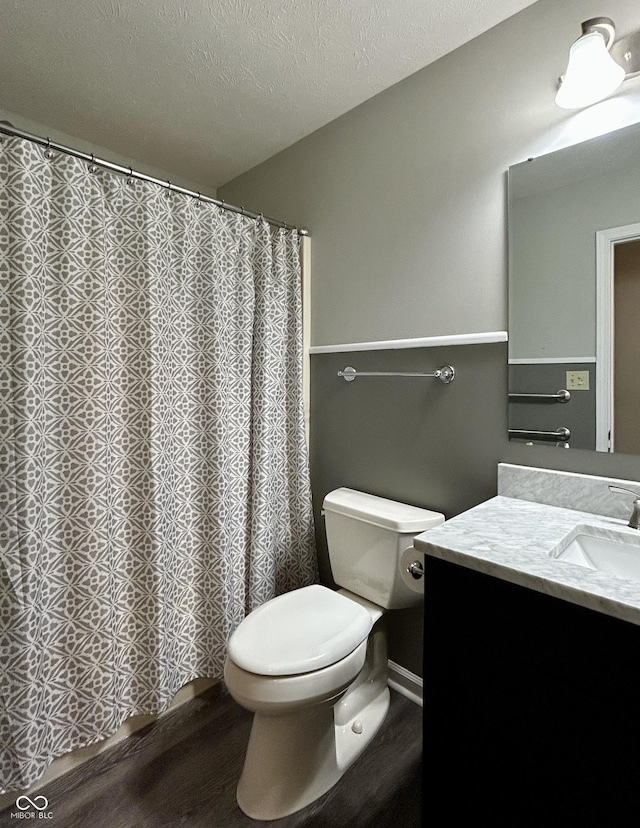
(405, 195)
(578, 415)
(409, 439)
(405, 198)
(552, 292)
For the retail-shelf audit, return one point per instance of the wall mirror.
(574, 296)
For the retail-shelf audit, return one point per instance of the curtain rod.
(9, 129)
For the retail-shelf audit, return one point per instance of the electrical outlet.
(577, 380)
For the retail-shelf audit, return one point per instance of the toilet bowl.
(312, 664)
(309, 726)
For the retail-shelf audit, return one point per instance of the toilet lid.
(299, 632)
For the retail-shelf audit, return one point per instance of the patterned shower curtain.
(154, 482)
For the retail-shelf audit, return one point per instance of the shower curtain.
(154, 481)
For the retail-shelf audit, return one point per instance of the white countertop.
(510, 539)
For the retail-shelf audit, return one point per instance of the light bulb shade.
(591, 75)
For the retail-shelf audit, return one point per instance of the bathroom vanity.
(582, 551)
(532, 661)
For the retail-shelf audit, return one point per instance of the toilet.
(312, 664)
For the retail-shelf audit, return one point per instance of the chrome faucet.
(634, 520)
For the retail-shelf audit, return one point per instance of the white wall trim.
(420, 342)
(551, 360)
(405, 682)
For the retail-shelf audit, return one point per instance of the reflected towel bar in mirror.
(446, 373)
(561, 396)
(560, 435)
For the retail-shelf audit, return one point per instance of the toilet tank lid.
(399, 517)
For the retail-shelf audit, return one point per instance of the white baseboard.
(405, 683)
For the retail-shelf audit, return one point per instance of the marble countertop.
(510, 539)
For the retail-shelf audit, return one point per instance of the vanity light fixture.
(597, 65)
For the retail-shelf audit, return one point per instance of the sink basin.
(615, 553)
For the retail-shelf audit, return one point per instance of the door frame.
(605, 329)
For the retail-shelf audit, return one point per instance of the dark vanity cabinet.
(531, 705)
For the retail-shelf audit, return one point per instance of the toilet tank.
(367, 536)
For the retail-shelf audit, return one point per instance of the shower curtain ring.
(130, 176)
(92, 167)
(48, 153)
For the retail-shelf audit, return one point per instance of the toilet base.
(294, 758)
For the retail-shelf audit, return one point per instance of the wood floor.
(182, 770)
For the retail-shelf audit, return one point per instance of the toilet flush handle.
(416, 570)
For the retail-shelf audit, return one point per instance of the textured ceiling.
(207, 89)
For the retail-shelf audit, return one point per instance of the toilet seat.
(271, 694)
(299, 632)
